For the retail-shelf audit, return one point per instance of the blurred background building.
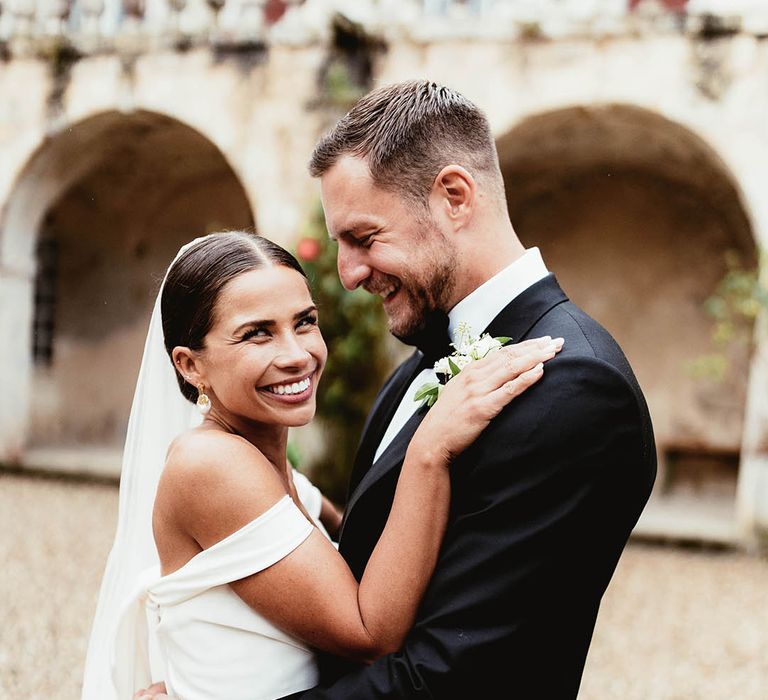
(632, 134)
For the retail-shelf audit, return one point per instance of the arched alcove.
(635, 215)
(93, 222)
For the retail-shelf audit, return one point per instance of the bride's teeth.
(295, 388)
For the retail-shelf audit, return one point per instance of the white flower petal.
(461, 361)
(483, 346)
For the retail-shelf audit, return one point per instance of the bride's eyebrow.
(269, 322)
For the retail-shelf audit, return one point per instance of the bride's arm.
(312, 593)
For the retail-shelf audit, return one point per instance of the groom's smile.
(386, 289)
(388, 293)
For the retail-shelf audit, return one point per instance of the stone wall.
(117, 229)
(634, 145)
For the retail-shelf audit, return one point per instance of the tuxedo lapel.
(525, 310)
(392, 457)
(384, 407)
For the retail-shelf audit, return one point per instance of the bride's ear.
(187, 364)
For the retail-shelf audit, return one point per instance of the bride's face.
(264, 353)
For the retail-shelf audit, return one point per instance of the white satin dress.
(200, 638)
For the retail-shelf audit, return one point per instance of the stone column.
(752, 495)
(16, 291)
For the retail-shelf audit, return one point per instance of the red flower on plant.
(308, 249)
(274, 10)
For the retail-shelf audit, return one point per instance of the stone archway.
(635, 214)
(94, 220)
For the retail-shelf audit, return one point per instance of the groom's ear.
(454, 194)
(186, 363)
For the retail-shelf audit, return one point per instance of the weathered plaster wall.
(258, 109)
(251, 126)
(117, 230)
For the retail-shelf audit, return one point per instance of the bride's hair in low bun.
(194, 282)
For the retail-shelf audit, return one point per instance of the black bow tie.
(433, 339)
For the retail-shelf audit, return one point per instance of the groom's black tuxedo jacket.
(542, 506)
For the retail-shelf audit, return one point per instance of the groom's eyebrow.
(269, 322)
(352, 230)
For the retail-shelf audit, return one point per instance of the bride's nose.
(292, 353)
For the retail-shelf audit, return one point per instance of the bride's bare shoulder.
(209, 446)
(208, 463)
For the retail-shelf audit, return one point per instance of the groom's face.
(388, 246)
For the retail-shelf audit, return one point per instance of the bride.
(223, 578)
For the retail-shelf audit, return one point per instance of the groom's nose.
(353, 270)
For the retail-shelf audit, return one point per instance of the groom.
(544, 501)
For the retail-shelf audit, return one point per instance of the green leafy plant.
(738, 300)
(355, 331)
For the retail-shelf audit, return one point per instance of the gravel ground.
(675, 624)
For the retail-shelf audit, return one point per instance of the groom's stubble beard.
(428, 290)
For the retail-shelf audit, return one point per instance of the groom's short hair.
(408, 132)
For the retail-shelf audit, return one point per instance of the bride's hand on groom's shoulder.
(474, 397)
(157, 691)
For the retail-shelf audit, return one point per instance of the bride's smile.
(291, 390)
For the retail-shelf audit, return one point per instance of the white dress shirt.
(477, 310)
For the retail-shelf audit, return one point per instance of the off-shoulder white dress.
(191, 630)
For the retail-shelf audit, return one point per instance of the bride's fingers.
(541, 353)
(516, 363)
(513, 388)
(526, 347)
(509, 365)
(515, 352)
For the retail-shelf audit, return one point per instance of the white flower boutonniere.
(468, 348)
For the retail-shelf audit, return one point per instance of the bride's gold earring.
(203, 402)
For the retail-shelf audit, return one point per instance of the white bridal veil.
(158, 414)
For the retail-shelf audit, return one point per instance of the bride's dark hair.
(194, 282)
